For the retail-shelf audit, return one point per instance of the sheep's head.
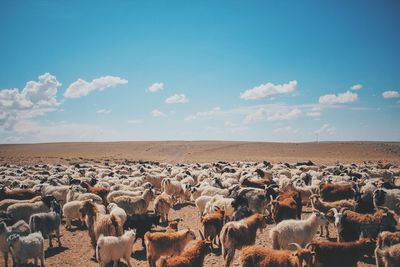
(12, 239)
(379, 197)
(88, 208)
(320, 217)
(190, 235)
(55, 206)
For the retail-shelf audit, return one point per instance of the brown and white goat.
(235, 235)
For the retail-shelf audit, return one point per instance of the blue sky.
(199, 70)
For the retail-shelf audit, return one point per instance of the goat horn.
(383, 208)
(308, 245)
(295, 244)
(201, 235)
(334, 210)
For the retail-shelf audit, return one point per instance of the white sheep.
(71, 212)
(162, 205)
(73, 195)
(27, 247)
(222, 203)
(296, 231)
(114, 194)
(201, 203)
(23, 211)
(117, 212)
(112, 248)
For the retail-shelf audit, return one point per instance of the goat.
(47, 223)
(166, 244)
(235, 235)
(335, 192)
(162, 205)
(212, 225)
(26, 247)
(260, 256)
(135, 205)
(142, 223)
(112, 248)
(346, 254)
(353, 224)
(296, 231)
(20, 194)
(389, 257)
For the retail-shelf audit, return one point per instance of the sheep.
(112, 248)
(235, 235)
(353, 224)
(212, 225)
(20, 227)
(58, 192)
(26, 247)
(106, 224)
(4, 204)
(173, 188)
(135, 205)
(142, 223)
(71, 212)
(334, 192)
(114, 194)
(324, 207)
(389, 257)
(192, 257)
(212, 191)
(345, 254)
(201, 203)
(74, 195)
(117, 212)
(260, 256)
(47, 223)
(162, 205)
(221, 203)
(166, 244)
(21, 194)
(296, 231)
(23, 211)
(387, 198)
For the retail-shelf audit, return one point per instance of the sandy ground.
(76, 249)
(201, 151)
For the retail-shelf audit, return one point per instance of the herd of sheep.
(118, 203)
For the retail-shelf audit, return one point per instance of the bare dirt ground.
(202, 151)
(76, 249)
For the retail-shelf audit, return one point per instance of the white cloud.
(268, 90)
(255, 116)
(135, 121)
(390, 94)
(209, 113)
(81, 87)
(326, 128)
(155, 87)
(37, 98)
(157, 113)
(282, 116)
(177, 99)
(313, 114)
(356, 87)
(104, 111)
(331, 99)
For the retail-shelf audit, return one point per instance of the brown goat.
(354, 224)
(255, 183)
(235, 235)
(297, 197)
(100, 191)
(212, 225)
(105, 224)
(344, 254)
(192, 257)
(166, 244)
(260, 256)
(384, 241)
(283, 209)
(335, 192)
(20, 194)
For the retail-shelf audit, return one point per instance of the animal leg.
(128, 260)
(58, 237)
(327, 230)
(229, 257)
(115, 263)
(50, 243)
